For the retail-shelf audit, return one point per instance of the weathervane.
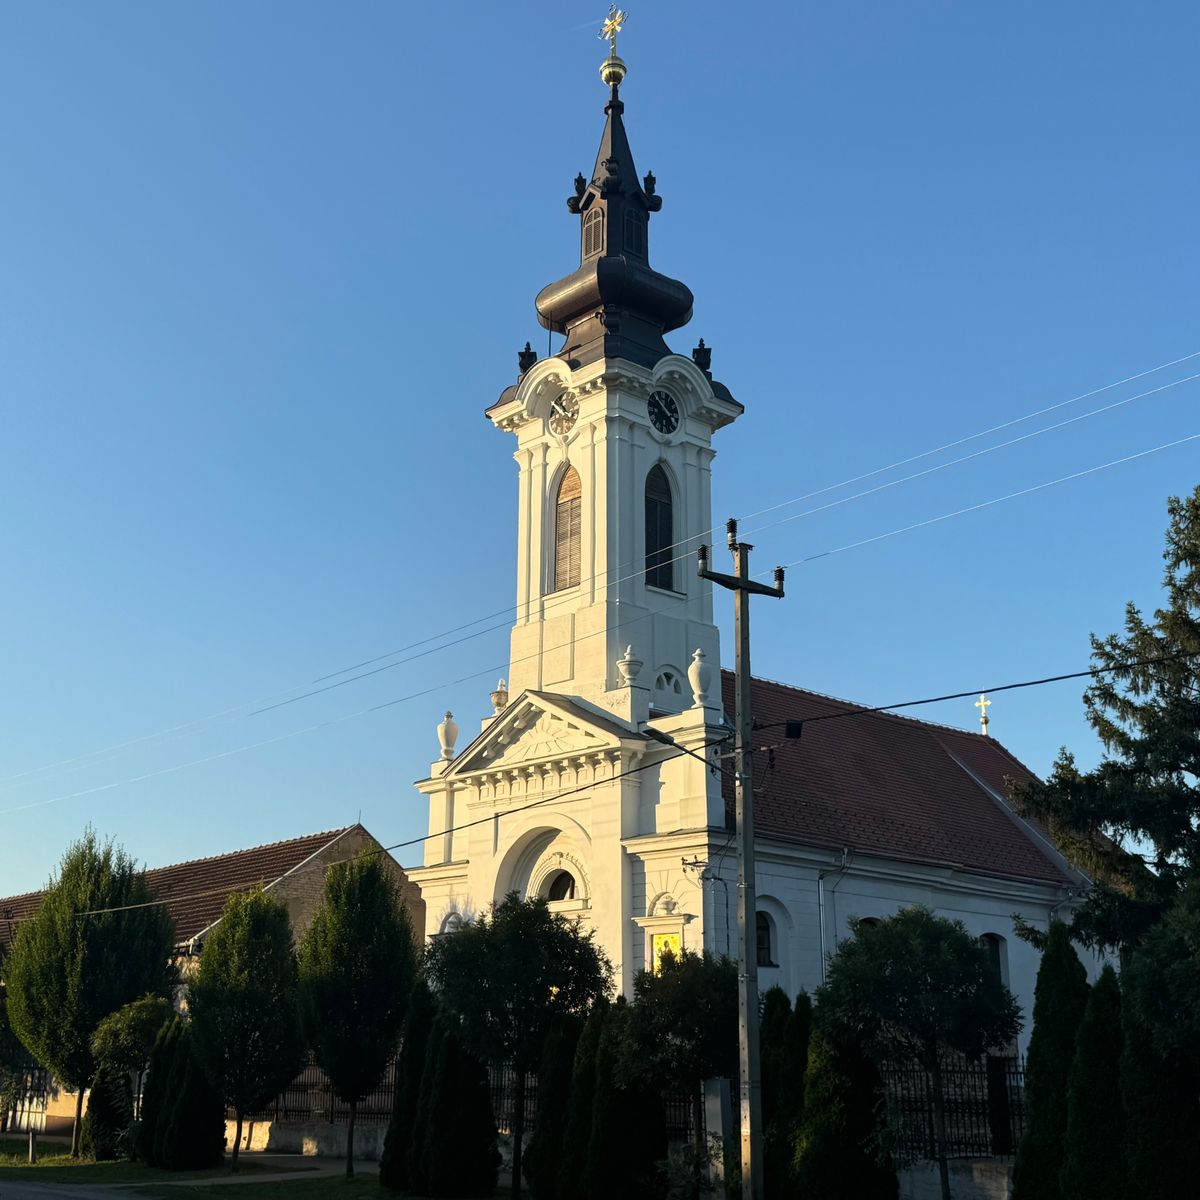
(983, 704)
(611, 27)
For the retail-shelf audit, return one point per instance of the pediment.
(536, 729)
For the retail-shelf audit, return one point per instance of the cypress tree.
(1060, 998)
(195, 1125)
(837, 1154)
(155, 1096)
(174, 1086)
(572, 1172)
(1161, 1099)
(544, 1153)
(397, 1143)
(418, 1180)
(1094, 1159)
(109, 1115)
(773, 1037)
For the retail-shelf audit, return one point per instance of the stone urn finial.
(499, 697)
(447, 732)
(629, 667)
(700, 677)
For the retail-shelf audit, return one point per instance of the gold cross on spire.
(612, 26)
(983, 704)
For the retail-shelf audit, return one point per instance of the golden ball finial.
(612, 71)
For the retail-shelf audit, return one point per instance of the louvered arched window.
(593, 233)
(660, 524)
(567, 525)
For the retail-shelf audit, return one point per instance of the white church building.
(578, 787)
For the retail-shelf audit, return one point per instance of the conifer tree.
(773, 1037)
(1161, 1100)
(838, 1154)
(572, 1171)
(397, 1144)
(195, 1124)
(72, 964)
(1060, 997)
(106, 1126)
(357, 963)
(155, 1096)
(1094, 1159)
(244, 1007)
(543, 1155)
(418, 1179)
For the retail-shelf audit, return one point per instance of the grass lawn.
(301, 1189)
(55, 1166)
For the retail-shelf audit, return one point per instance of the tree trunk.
(77, 1128)
(237, 1141)
(518, 1128)
(939, 1125)
(350, 1140)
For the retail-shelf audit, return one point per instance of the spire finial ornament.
(612, 70)
(983, 704)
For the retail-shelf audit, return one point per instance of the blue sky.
(263, 266)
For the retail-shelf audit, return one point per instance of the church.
(602, 778)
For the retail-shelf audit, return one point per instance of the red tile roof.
(889, 786)
(196, 891)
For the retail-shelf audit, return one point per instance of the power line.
(280, 699)
(624, 624)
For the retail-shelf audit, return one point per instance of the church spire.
(615, 305)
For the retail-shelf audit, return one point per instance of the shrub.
(397, 1144)
(1060, 997)
(155, 1096)
(106, 1127)
(838, 1154)
(195, 1129)
(545, 1150)
(572, 1171)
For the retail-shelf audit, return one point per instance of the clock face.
(563, 414)
(663, 411)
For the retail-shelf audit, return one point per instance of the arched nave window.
(567, 526)
(660, 523)
(764, 936)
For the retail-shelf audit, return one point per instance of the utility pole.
(750, 1083)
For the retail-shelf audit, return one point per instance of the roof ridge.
(331, 834)
(868, 710)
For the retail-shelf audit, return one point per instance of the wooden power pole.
(750, 1082)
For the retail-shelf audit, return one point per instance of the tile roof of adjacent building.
(891, 786)
(195, 892)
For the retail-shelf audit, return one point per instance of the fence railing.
(24, 1096)
(310, 1097)
(985, 1107)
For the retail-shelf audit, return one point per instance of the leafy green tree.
(457, 1150)
(1133, 823)
(95, 943)
(357, 964)
(1094, 1159)
(683, 1025)
(1161, 1102)
(13, 1056)
(1059, 999)
(509, 977)
(918, 986)
(155, 1096)
(125, 1038)
(545, 1150)
(243, 1003)
(414, 1045)
(839, 1154)
(109, 1118)
(572, 1171)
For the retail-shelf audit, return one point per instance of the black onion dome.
(615, 305)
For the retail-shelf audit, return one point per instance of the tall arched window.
(567, 523)
(660, 525)
(593, 233)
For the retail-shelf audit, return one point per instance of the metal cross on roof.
(983, 704)
(612, 26)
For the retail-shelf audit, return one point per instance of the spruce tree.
(397, 1143)
(838, 1154)
(543, 1155)
(1060, 997)
(106, 1126)
(1094, 1160)
(155, 1097)
(1161, 1099)
(572, 1171)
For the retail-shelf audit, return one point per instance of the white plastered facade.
(563, 778)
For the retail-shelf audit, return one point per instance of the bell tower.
(614, 450)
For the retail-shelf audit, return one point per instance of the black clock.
(663, 411)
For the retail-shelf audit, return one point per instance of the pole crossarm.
(750, 1083)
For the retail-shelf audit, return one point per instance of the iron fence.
(503, 1080)
(310, 1097)
(24, 1095)
(984, 1100)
